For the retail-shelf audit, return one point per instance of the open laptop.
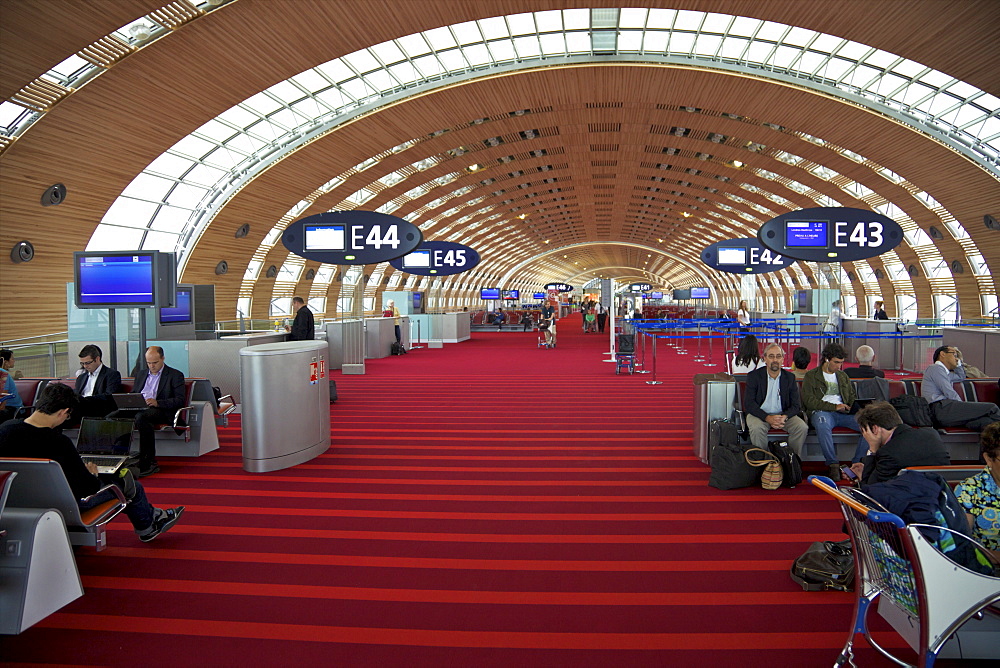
(106, 443)
(133, 401)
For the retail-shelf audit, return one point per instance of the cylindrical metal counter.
(286, 404)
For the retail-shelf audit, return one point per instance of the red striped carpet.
(488, 504)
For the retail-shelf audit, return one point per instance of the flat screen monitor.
(681, 295)
(701, 293)
(418, 302)
(180, 312)
(118, 279)
(806, 234)
(656, 295)
(733, 256)
(489, 293)
(325, 237)
(511, 294)
(538, 295)
(418, 259)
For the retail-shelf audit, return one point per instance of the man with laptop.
(36, 437)
(163, 392)
(95, 386)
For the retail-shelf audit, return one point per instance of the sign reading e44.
(437, 258)
(831, 234)
(744, 256)
(351, 237)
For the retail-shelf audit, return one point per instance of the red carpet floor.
(486, 504)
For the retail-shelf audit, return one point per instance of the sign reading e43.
(834, 234)
(744, 256)
(437, 258)
(351, 237)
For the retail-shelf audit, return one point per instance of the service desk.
(380, 333)
(979, 345)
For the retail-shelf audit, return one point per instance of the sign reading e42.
(437, 258)
(831, 234)
(351, 237)
(744, 256)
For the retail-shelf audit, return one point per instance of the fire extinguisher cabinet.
(286, 404)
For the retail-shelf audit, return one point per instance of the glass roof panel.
(550, 20)
(170, 165)
(527, 47)
(493, 28)
(551, 44)
(660, 19)
(632, 19)
(936, 79)
(521, 24)
(149, 188)
(688, 20)
(414, 45)
(363, 61)
(655, 41)
(467, 33)
(286, 91)
(193, 147)
(171, 219)
(440, 38)
(853, 50)
(262, 103)
(113, 237)
(504, 50)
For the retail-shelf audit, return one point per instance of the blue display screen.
(489, 293)
(115, 280)
(811, 234)
(179, 313)
(511, 294)
(538, 295)
(656, 295)
(701, 293)
(418, 298)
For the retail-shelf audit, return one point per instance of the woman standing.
(879, 313)
(743, 317)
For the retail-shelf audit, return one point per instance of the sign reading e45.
(351, 237)
(831, 234)
(744, 256)
(437, 258)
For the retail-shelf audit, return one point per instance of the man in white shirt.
(95, 385)
(828, 395)
(947, 408)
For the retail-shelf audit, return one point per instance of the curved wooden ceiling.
(598, 133)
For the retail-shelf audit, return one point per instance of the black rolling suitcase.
(626, 343)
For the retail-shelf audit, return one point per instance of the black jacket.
(757, 392)
(907, 447)
(303, 328)
(108, 382)
(170, 394)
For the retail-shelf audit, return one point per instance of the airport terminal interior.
(499, 495)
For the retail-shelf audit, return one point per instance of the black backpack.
(397, 348)
(791, 464)
(914, 411)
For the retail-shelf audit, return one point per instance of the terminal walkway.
(490, 503)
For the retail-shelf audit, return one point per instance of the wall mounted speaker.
(311, 274)
(879, 274)
(851, 276)
(935, 233)
(221, 268)
(54, 195)
(957, 267)
(272, 271)
(913, 271)
(22, 251)
(340, 277)
(242, 231)
(991, 222)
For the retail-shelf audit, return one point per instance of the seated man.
(772, 402)
(10, 399)
(894, 446)
(865, 355)
(95, 386)
(829, 396)
(36, 437)
(947, 408)
(164, 392)
(980, 494)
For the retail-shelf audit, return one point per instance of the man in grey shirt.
(947, 408)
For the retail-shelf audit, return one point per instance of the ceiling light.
(523, 216)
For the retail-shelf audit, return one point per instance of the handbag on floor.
(729, 465)
(825, 565)
(791, 464)
(772, 474)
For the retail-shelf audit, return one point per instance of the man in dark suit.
(894, 446)
(163, 389)
(866, 356)
(303, 327)
(95, 386)
(772, 402)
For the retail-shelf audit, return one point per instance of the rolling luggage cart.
(924, 595)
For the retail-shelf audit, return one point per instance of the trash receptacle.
(286, 404)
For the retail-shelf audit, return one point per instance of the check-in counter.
(886, 349)
(980, 346)
(256, 338)
(454, 327)
(380, 333)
